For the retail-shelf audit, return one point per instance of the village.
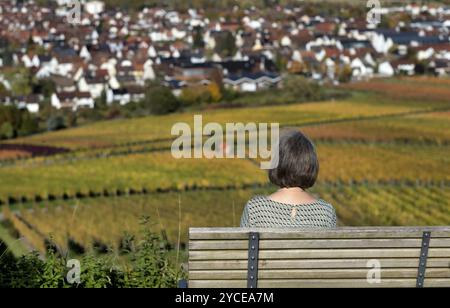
(111, 55)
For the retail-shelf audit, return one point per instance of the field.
(384, 161)
(121, 132)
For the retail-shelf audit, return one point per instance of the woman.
(292, 205)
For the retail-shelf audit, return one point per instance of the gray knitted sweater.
(262, 212)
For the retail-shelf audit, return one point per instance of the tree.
(55, 123)
(45, 87)
(28, 126)
(101, 102)
(7, 131)
(3, 90)
(160, 100)
(215, 92)
(20, 80)
(302, 89)
(199, 43)
(226, 44)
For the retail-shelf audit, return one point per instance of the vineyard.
(81, 225)
(120, 132)
(384, 161)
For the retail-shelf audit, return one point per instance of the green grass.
(110, 133)
(14, 245)
(429, 127)
(150, 171)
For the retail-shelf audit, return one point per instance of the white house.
(30, 62)
(72, 100)
(120, 96)
(361, 69)
(381, 44)
(149, 72)
(94, 7)
(94, 86)
(252, 82)
(385, 69)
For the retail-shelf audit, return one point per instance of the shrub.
(7, 131)
(149, 267)
(55, 123)
(160, 100)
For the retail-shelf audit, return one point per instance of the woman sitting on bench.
(291, 206)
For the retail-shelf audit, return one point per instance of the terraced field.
(384, 161)
(110, 133)
(103, 221)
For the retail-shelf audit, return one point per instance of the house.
(95, 85)
(385, 69)
(203, 73)
(252, 82)
(441, 67)
(94, 7)
(30, 103)
(124, 96)
(404, 67)
(72, 100)
(120, 96)
(361, 69)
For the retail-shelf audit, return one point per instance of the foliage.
(46, 87)
(302, 88)
(55, 123)
(160, 100)
(225, 44)
(6, 131)
(28, 126)
(21, 81)
(199, 42)
(149, 267)
(201, 94)
(15, 122)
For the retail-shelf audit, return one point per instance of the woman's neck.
(292, 196)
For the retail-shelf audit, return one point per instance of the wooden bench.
(344, 257)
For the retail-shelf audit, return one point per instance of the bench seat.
(339, 258)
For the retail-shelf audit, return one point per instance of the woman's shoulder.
(258, 200)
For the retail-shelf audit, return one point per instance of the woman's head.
(298, 164)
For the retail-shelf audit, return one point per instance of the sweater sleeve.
(334, 219)
(245, 220)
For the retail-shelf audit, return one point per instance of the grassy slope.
(14, 245)
(109, 133)
(341, 160)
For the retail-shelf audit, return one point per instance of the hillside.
(383, 162)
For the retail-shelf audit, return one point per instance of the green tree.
(302, 89)
(226, 44)
(21, 81)
(7, 131)
(28, 126)
(199, 43)
(55, 123)
(160, 100)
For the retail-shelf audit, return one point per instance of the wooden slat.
(318, 253)
(305, 283)
(319, 283)
(316, 264)
(319, 258)
(316, 274)
(380, 232)
(315, 244)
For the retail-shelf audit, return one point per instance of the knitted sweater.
(262, 212)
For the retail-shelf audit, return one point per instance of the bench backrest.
(344, 257)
